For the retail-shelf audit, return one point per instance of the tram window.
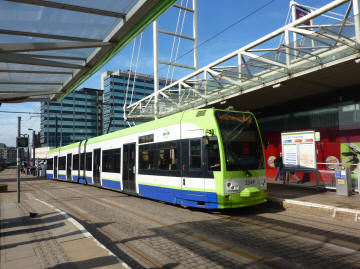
(111, 160)
(88, 161)
(166, 156)
(167, 159)
(195, 154)
(62, 163)
(146, 157)
(213, 154)
(82, 156)
(49, 164)
(75, 161)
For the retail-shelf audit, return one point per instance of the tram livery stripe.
(109, 183)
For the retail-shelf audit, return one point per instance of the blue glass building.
(77, 117)
(116, 85)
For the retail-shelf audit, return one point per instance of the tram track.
(312, 233)
(270, 261)
(80, 215)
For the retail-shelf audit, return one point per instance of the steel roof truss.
(55, 57)
(29, 83)
(343, 40)
(36, 72)
(263, 59)
(25, 59)
(43, 92)
(48, 36)
(184, 8)
(39, 46)
(69, 7)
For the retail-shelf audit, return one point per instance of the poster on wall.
(350, 156)
(299, 150)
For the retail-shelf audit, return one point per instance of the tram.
(206, 158)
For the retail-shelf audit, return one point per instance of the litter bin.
(343, 181)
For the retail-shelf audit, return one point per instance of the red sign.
(301, 13)
(298, 140)
(309, 140)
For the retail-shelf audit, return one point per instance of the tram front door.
(129, 170)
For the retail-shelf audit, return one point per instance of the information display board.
(299, 151)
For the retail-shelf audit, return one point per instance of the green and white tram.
(205, 158)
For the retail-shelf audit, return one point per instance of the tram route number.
(249, 181)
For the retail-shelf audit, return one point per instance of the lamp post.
(33, 143)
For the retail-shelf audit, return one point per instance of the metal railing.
(324, 177)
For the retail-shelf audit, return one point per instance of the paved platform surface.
(52, 239)
(315, 201)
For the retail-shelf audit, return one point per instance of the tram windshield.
(242, 144)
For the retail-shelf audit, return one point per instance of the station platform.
(34, 234)
(52, 239)
(316, 201)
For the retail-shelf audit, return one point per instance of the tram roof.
(48, 48)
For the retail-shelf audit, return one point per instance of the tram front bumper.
(248, 197)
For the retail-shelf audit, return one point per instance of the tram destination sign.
(299, 151)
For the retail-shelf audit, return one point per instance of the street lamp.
(33, 145)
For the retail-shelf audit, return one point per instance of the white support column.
(156, 68)
(287, 43)
(206, 84)
(239, 65)
(195, 33)
(293, 16)
(356, 20)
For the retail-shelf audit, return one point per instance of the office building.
(77, 117)
(119, 86)
(9, 154)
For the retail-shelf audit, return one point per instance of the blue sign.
(340, 174)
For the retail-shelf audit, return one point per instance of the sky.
(251, 20)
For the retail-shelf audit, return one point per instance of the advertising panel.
(299, 150)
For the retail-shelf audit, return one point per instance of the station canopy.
(48, 48)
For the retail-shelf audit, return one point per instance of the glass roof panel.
(122, 6)
(57, 44)
(46, 20)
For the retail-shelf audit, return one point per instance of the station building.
(335, 115)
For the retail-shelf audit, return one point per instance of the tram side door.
(68, 167)
(129, 158)
(192, 166)
(96, 166)
(55, 167)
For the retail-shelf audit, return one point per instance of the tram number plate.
(249, 181)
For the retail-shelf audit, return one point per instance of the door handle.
(183, 181)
